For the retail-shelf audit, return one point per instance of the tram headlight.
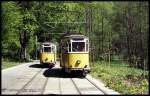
(85, 66)
(78, 61)
(46, 59)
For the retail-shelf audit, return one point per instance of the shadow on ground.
(38, 66)
(57, 72)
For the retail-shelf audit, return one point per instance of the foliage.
(11, 19)
(121, 78)
(114, 28)
(47, 15)
(130, 18)
(8, 63)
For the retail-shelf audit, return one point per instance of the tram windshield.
(47, 49)
(78, 46)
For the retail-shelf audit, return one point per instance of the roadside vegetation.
(6, 63)
(122, 78)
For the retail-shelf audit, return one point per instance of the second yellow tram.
(48, 54)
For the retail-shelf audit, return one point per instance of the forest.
(117, 30)
(118, 35)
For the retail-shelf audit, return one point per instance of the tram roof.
(48, 43)
(75, 36)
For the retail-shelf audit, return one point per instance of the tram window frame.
(69, 46)
(52, 49)
(87, 45)
(47, 51)
(80, 49)
(65, 47)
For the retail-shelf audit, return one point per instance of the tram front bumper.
(80, 69)
(50, 63)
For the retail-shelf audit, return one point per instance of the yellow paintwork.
(48, 56)
(70, 59)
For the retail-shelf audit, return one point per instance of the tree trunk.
(102, 34)
(128, 39)
(109, 47)
(23, 53)
(141, 63)
(23, 43)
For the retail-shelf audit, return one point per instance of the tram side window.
(78, 46)
(69, 47)
(47, 49)
(53, 49)
(87, 45)
(64, 48)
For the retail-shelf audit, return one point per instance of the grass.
(121, 77)
(7, 64)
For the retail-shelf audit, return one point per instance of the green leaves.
(119, 28)
(121, 78)
(11, 19)
(129, 18)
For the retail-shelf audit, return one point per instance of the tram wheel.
(84, 73)
(63, 69)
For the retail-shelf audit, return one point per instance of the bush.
(123, 79)
(12, 51)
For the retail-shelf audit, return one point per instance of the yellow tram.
(75, 54)
(48, 54)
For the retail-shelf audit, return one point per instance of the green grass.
(121, 77)
(7, 64)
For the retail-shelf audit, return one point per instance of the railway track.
(76, 82)
(76, 87)
(44, 86)
(60, 91)
(96, 85)
(101, 86)
(23, 89)
(34, 82)
(85, 86)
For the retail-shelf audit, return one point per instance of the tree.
(47, 15)
(11, 19)
(27, 28)
(129, 20)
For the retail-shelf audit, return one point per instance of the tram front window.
(78, 46)
(47, 49)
